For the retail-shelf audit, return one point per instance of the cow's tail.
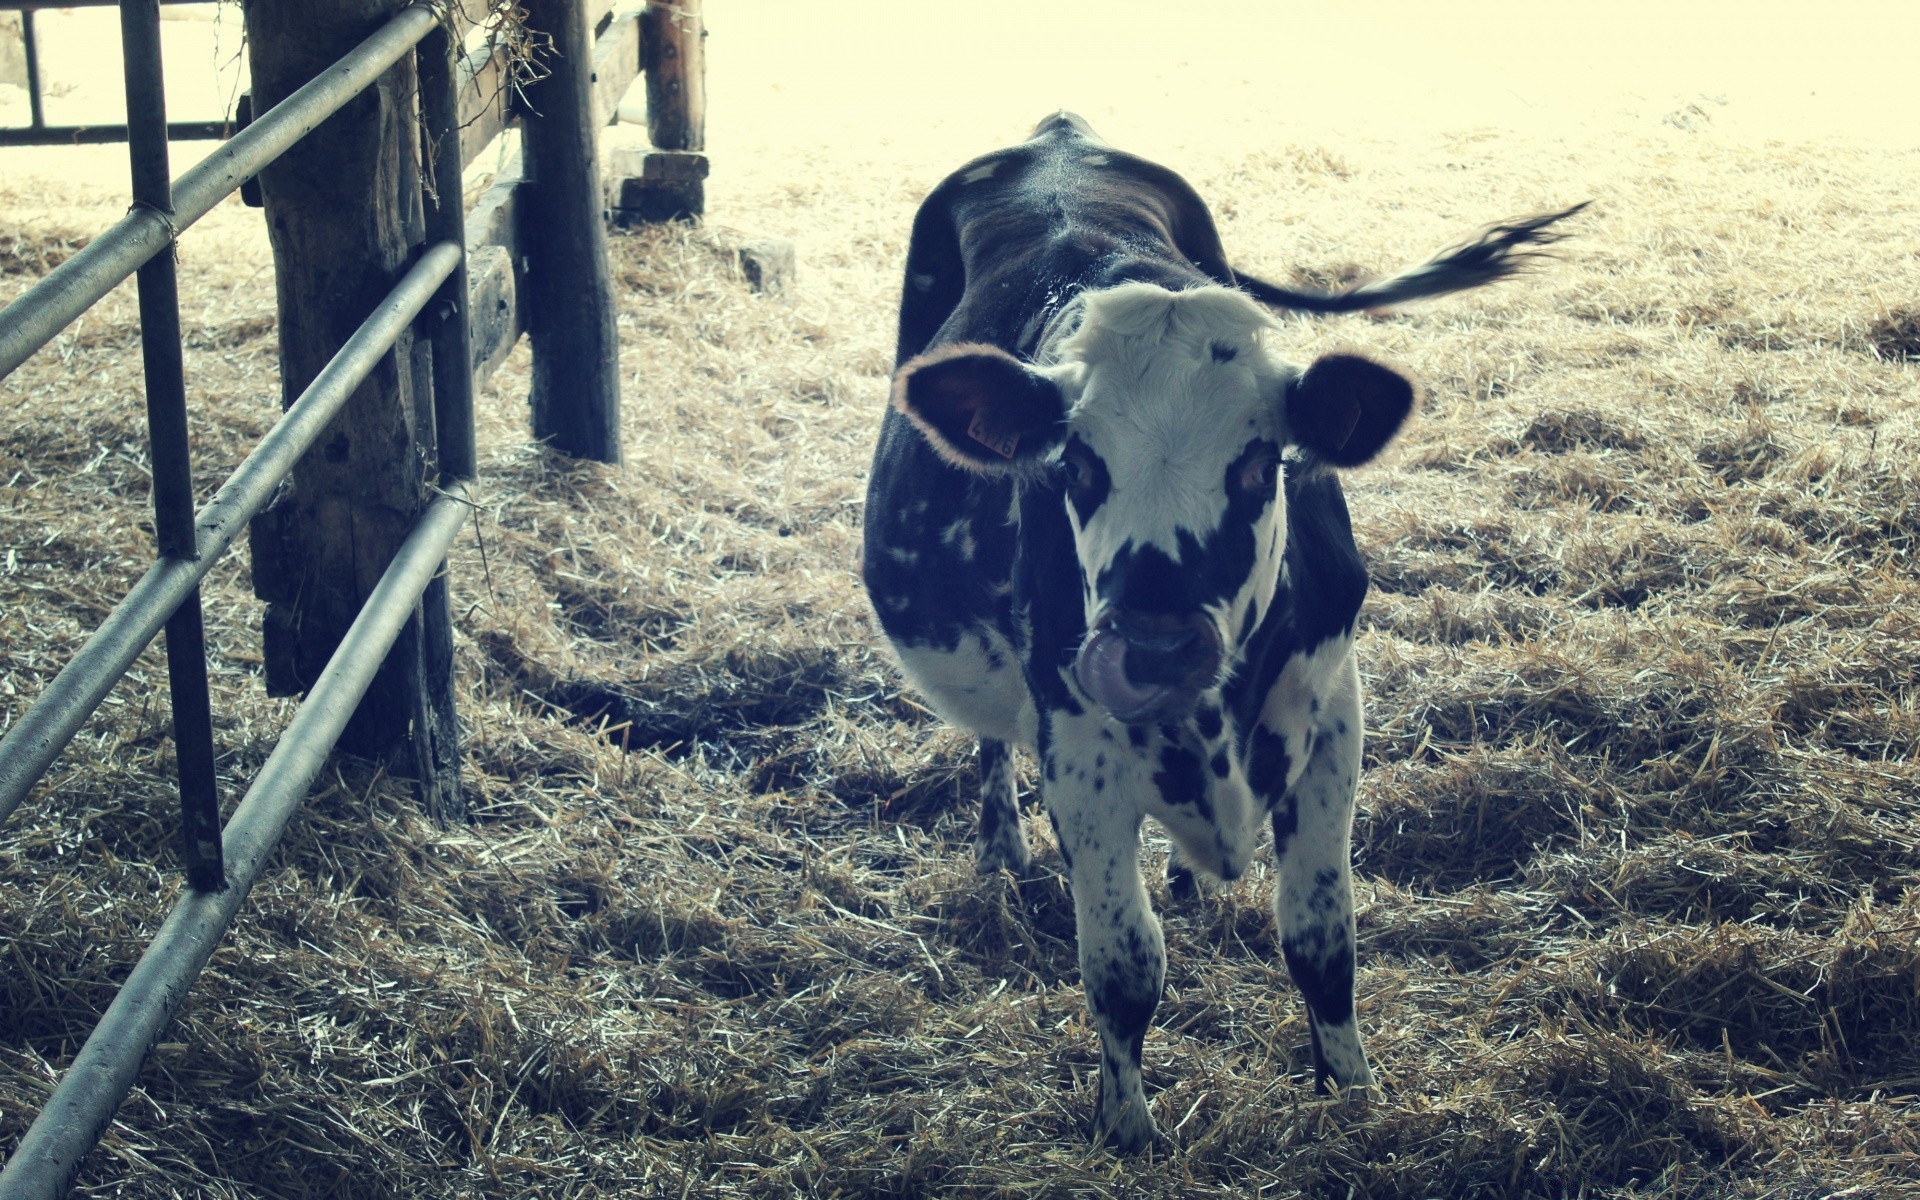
(1503, 250)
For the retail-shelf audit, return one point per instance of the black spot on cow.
(1206, 719)
(1322, 968)
(1220, 764)
(1286, 823)
(1267, 761)
(1181, 780)
(1084, 475)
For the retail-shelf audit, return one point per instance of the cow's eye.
(1075, 469)
(1260, 475)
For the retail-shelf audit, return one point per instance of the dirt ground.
(1638, 856)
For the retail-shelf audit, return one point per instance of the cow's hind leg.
(1313, 901)
(1000, 842)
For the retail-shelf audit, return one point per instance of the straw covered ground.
(1638, 855)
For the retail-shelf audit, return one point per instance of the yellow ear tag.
(1003, 444)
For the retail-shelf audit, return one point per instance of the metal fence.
(37, 132)
(223, 865)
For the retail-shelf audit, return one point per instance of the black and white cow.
(1104, 524)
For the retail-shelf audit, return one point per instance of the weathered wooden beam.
(649, 186)
(567, 282)
(344, 216)
(494, 307)
(616, 64)
(676, 66)
(486, 99)
(494, 218)
(493, 235)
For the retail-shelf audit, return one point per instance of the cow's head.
(1162, 422)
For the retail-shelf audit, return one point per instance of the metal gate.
(189, 542)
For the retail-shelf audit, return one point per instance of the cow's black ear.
(982, 408)
(1346, 408)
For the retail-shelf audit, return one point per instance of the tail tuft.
(1502, 250)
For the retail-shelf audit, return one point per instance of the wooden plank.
(493, 275)
(493, 310)
(616, 64)
(493, 220)
(486, 100)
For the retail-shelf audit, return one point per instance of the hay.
(1639, 849)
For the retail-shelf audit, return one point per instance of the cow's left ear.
(1346, 408)
(982, 408)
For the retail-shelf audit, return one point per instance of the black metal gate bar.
(169, 449)
(34, 113)
(446, 221)
(37, 738)
(27, 6)
(107, 1065)
(105, 135)
(71, 288)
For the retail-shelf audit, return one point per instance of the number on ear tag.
(1003, 444)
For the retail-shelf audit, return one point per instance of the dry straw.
(1639, 843)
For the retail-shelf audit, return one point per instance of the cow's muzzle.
(1146, 668)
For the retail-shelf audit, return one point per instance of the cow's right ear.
(982, 408)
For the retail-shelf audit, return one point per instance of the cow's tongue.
(1101, 668)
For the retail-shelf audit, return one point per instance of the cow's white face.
(1162, 422)
(1171, 465)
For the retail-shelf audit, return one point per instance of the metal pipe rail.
(37, 738)
(75, 285)
(107, 1065)
(83, 1103)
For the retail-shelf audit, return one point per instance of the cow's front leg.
(1313, 901)
(1123, 959)
(1000, 841)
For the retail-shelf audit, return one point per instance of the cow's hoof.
(993, 855)
(1129, 1131)
(1356, 1095)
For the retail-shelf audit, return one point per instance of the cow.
(1104, 524)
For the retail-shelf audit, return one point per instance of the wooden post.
(563, 238)
(344, 215)
(674, 40)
